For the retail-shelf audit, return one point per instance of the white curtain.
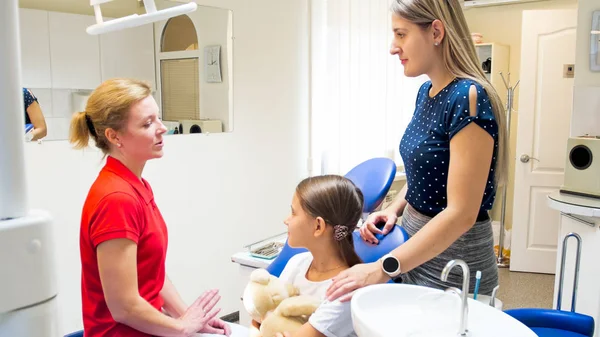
(361, 102)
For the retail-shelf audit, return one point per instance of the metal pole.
(502, 262)
(13, 190)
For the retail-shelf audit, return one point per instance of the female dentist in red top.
(123, 237)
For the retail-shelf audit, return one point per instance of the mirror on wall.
(187, 60)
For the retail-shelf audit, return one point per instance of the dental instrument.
(477, 282)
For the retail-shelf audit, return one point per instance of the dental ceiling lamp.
(134, 20)
(28, 270)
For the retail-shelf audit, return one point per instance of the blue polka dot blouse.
(28, 99)
(425, 145)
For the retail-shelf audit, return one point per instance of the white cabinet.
(35, 48)
(75, 55)
(128, 53)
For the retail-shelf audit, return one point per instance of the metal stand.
(502, 261)
(562, 271)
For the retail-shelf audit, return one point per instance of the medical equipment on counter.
(28, 280)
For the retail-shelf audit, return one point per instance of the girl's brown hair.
(107, 107)
(339, 203)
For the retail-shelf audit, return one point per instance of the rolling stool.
(558, 323)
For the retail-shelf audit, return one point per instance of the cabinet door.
(35, 48)
(128, 53)
(74, 53)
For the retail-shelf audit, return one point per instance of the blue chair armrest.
(278, 264)
(371, 253)
(75, 334)
(554, 319)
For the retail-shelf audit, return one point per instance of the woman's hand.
(218, 327)
(199, 315)
(360, 275)
(387, 215)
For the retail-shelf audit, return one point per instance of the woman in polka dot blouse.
(454, 152)
(34, 115)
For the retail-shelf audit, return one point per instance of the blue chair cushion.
(558, 322)
(546, 332)
(371, 253)
(373, 177)
(75, 334)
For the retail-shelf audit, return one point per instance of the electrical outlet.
(569, 71)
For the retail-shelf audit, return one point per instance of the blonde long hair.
(459, 57)
(107, 107)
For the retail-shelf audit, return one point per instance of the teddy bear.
(276, 305)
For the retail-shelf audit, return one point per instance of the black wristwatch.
(391, 265)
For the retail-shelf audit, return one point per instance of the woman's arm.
(471, 152)
(173, 303)
(37, 119)
(118, 274)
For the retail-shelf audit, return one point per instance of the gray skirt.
(475, 247)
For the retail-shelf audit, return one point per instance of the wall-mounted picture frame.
(212, 64)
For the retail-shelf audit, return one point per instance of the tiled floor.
(525, 290)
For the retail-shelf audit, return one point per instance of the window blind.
(180, 89)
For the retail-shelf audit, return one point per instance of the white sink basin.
(401, 310)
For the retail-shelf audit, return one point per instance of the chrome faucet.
(464, 292)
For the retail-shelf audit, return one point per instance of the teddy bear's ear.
(261, 276)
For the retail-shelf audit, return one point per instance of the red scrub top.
(119, 205)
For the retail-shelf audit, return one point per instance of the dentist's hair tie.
(340, 232)
(90, 124)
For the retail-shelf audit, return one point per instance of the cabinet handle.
(585, 222)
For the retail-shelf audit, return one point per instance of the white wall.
(216, 192)
(586, 94)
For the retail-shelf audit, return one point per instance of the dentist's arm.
(117, 265)
(173, 303)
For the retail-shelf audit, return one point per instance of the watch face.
(390, 264)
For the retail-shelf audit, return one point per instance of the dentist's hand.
(218, 327)
(366, 231)
(201, 312)
(360, 275)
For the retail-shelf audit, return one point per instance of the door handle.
(525, 158)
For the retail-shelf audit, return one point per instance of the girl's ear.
(320, 227)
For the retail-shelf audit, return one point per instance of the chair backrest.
(554, 320)
(75, 334)
(366, 252)
(373, 177)
(371, 253)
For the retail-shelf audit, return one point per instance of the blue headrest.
(373, 177)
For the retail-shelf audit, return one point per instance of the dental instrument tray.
(268, 251)
(268, 248)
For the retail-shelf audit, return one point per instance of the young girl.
(325, 212)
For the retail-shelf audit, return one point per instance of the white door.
(545, 104)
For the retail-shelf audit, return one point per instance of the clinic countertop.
(245, 259)
(572, 204)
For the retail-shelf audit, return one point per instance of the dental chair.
(557, 322)
(373, 177)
